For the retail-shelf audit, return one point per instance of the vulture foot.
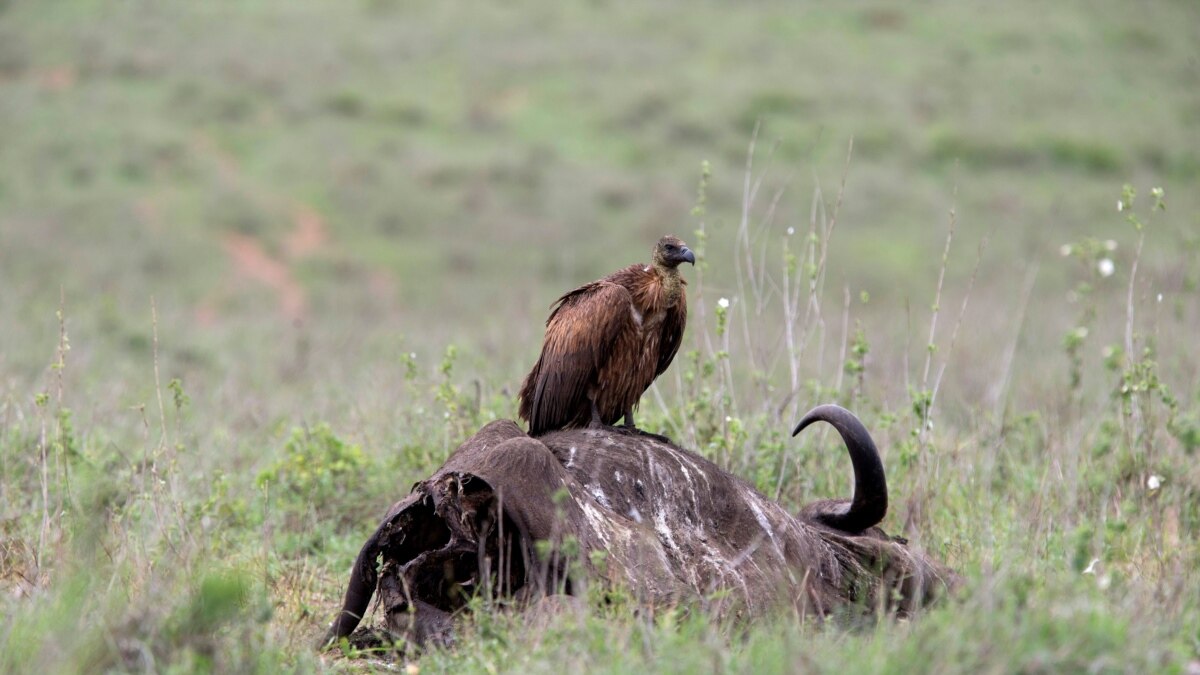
(631, 430)
(658, 437)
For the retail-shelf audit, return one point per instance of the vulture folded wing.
(672, 334)
(580, 335)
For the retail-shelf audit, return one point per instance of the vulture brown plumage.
(606, 342)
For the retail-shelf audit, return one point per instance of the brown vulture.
(606, 342)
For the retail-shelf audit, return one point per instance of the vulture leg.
(597, 422)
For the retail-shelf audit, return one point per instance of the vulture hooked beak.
(686, 255)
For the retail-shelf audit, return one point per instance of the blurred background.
(312, 202)
(442, 171)
(277, 214)
(319, 199)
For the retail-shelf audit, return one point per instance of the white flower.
(1110, 245)
(1106, 267)
(1120, 205)
(723, 303)
(1154, 482)
(791, 231)
(1091, 568)
(1104, 582)
(1160, 297)
(1064, 250)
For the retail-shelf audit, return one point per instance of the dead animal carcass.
(519, 517)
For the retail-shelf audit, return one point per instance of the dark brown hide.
(606, 342)
(673, 527)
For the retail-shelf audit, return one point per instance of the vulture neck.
(672, 283)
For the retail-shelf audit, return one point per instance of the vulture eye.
(670, 247)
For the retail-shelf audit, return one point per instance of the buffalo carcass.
(518, 517)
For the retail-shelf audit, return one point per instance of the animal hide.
(520, 518)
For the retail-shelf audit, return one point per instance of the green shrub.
(317, 476)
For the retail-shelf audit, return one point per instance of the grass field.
(264, 264)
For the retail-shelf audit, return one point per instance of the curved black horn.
(363, 577)
(870, 487)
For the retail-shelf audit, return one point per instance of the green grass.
(469, 162)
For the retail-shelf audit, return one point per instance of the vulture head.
(670, 251)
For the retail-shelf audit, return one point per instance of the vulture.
(605, 343)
